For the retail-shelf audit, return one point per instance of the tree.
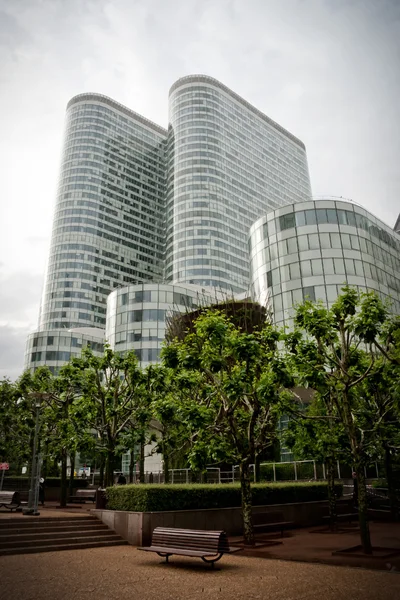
(317, 434)
(333, 350)
(231, 386)
(14, 430)
(161, 396)
(111, 399)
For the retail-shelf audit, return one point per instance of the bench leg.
(212, 560)
(166, 556)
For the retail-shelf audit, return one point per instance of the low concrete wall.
(137, 527)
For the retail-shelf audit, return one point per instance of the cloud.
(327, 70)
(12, 348)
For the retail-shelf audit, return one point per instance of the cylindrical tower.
(109, 214)
(227, 164)
(311, 250)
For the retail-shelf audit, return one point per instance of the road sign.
(4, 466)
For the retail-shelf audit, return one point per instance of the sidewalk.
(124, 573)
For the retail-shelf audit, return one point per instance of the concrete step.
(62, 546)
(78, 539)
(58, 535)
(53, 528)
(34, 522)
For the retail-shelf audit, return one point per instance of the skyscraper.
(227, 164)
(137, 203)
(108, 222)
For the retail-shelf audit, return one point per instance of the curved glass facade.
(227, 164)
(310, 250)
(108, 221)
(136, 315)
(55, 348)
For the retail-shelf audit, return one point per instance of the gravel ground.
(124, 572)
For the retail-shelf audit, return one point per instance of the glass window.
(306, 268)
(297, 296)
(136, 316)
(287, 221)
(332, 215)
(351, 220)
(265, 231)
(267, 256)
(124, 299)
(285, 275)
(278, 303)
(269, 279)
(282, 248)
(342, 217)
(321, 216)
(346, 241)
(313, 241)
(273, 249)
(316, 265)
(50, 340)
(335, 240)
(300, 218)
(275, 277)
(339, 266)
(349, 264)
(309, 293)
(311, 217)
(355, 244)
(292, 245)
(303, 243)
(328, 266)
(359, 268)
(294, 270)
(325, 240)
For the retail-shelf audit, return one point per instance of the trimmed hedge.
(149, 498)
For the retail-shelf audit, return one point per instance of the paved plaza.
(126, 573)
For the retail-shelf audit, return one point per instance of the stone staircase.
(25, 535)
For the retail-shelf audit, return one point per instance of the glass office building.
(137, 315)
(108, 221)
(137, 203)
(54, 348)
(311, 249)
(227, 164)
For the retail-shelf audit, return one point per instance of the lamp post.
(32, 508)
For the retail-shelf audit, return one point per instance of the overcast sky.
(327, 70)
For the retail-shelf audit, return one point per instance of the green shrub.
(148, 498)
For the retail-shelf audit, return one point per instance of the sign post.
(3, 468)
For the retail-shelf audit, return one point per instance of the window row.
(320, 216)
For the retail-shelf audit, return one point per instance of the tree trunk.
(330, 471)
(394, 509)
(141, 462)
(63, 495)
(109, 476)
(101, 471)
(363, 510)
(257, 468)
(131, 465)
(165, 465)
(71, 474)
(245, 489)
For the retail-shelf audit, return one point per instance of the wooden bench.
(10, 500)
(344, 512)
(83, 495)
(270, 521)
(210, 546)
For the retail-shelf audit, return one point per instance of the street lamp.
(32, 508)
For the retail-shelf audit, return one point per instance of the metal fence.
(300, 470)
